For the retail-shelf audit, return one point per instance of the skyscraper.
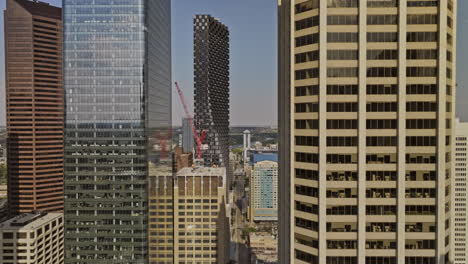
(118, 94)
(264, 191)
(211, 77)
(366, 114)
(460, 205)
(34, 96)
(188, 139)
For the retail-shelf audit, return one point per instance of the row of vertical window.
(386, 54)
(370, 124)
(426, 19)
(313, 4)
(371, 72)
(371, 89)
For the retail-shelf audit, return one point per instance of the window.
(307, 141)
(382, 54)
(382, 19)
(381, 123)
(381, 141)
(382, 89)
(342, 20)
(306, 107)
(307, 74)
(342, 89)
(342, 107)
(338, 37)
(382, 72)
(382, 36)
(342, 72)
(7, 235)
(421, 123)
(421, 106)
(307, 22)
(421, 89)
(422, 3)
(307, 90)
(343, 3)
(307, 124)
(342, 54)
(306, 6)
(422, 19)
(307, 40)
(342, 141)
(307, 157)
(421, 141)
(421, 36)
(421, 71)
(382, 107)
(307, 56)
(430, 54)
(382, 3)
(342, 124)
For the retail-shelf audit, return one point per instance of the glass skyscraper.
(117, 61)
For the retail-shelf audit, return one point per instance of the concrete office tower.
(118, 125)
(34, 105)
(366, 114)
(188, 139)
(460, 193)
(211, 78)
(201, 224)
(32, 238)
(264, 191)
(246, 142)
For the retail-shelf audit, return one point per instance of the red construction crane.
(198, 138)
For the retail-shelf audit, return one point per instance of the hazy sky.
(252, 25)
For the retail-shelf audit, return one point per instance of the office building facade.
(32, 238)
(117, 72)
(188, 139)
(211, 80)
(201, 225)
(264, 191)
(460, 193)
(366, 117)
(34, 105)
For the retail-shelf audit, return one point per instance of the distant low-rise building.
(264, 191)
(263, 248)
(32, 238)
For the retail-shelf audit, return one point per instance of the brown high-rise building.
(35, 106)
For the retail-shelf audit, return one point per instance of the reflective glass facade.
(118, 100)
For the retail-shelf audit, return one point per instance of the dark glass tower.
(118, 99)
(211, 73)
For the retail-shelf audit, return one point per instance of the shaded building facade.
(35, 108)
(366, 120)
(211, 80)
(117, 58)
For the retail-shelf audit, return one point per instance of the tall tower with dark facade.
(35, 109)
(366, 121)
(117, 74)
(211, 73)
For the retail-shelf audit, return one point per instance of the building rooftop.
(202, 171)
(41, 8)
(28, 220)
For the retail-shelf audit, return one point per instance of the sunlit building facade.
(366, 117)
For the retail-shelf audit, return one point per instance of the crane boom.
(198, 138)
